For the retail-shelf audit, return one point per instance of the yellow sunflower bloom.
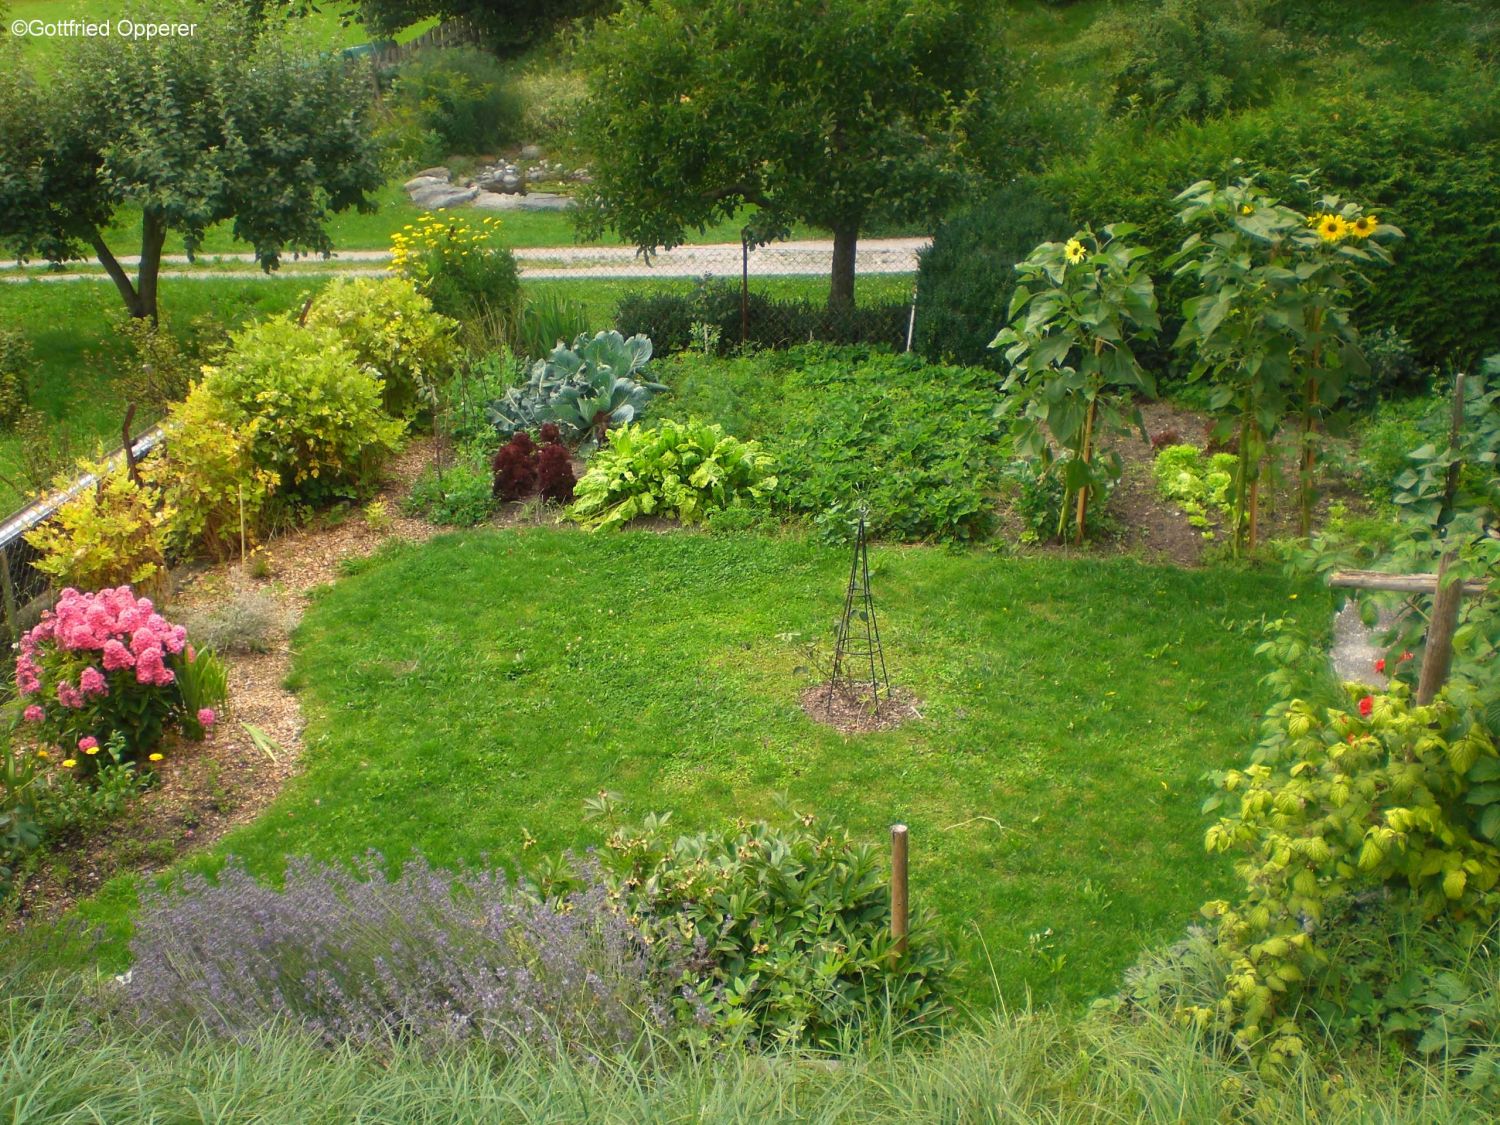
(1074, 251)
(1363, 227)
(1332, 228)
(1246, 209)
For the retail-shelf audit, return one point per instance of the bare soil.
(850, 711)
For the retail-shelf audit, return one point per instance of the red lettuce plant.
(515, 467)
(554, 473)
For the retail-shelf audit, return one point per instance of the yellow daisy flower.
(1074, 251)
(154, 757)
(69, 763)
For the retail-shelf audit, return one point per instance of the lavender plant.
(431, 957)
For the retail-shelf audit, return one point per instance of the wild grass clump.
(243, 621)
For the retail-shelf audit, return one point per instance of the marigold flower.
(154, 757)
(69, 763)
(1366, 705)
(43, 755)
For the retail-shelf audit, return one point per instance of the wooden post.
(1437, 659)
(744, 288)
(8, 589)
(898, 887)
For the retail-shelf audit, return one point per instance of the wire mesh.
(858, 657)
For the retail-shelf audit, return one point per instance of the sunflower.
(1364, 226)
(1246, 209)
(1074, 251)
(1331, 228)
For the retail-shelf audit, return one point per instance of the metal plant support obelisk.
(857, 649)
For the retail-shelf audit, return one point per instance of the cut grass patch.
(467, 692)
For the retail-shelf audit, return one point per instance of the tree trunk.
(118, 275)
(1437, 656)
(841, 289)
(153, 238)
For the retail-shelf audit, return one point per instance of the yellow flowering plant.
(463, 270)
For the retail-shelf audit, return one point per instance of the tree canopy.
(835, 113)
(231, 123)
(507, 26)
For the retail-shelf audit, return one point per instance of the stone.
(417, 183)
(531, 152)
(442, 195)
(536, 201)
(438, 173)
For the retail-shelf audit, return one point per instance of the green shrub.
(206, 473)
(111, 534)
(670, 320)
(466, 274)
(319, 423)
(391, 327)
(459, 496)
(461, 95)
(15, 368)
(678, 470)
(966, 277)
(788, 928)
(1390, 799)
(1037, 499)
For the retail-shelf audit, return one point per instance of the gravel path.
(806, 257)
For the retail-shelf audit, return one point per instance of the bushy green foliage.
(15, 366)
(465, 272)
(392, 328)
(214, 492)
(459, 495)
(320, 425)
(669, 319)
(966, 276)
(676, 470)
(787, 928)
(1201, 489)
(911, 439)
(462, 96)
(110, 534)
(1039, 500)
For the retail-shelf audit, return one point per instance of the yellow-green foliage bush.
(111, 534)
(392, 328)
(321, 427)
(1390, 799)
(207, 475)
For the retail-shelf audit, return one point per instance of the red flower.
(1405, 656)
(1380, 665)
(1366, 705)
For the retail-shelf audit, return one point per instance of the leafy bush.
(555, 481)
(459, 496)
(428, 958)
(463, 96)
(207, 477)
(597, 383)
(515, 467)
(788, 926)
(1393, 369)
(153, 365)
(111, 533)
(966, 276)
(391, 327)
(1038, 499)
(1389, 798)
(15, 368)
(679, 470)
(319, 422)
(103, 664)
(913, 440)
(1201, 490)
(670, 318)
(466, 275)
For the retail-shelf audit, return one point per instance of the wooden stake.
(1437, 659)
(898, 887)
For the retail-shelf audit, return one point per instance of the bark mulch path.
(204, 790)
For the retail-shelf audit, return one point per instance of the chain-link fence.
(717, 297)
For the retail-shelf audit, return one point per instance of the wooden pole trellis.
(899, 907)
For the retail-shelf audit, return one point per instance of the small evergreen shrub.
(392, 328)
(106, 664)
(319, 420)
(15, 368)
(679, 470)
(965, 278)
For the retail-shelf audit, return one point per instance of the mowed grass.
(463, 694)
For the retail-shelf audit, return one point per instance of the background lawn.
(464, 693)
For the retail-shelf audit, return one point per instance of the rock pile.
(503, 186)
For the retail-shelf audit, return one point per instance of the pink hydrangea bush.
(103, 663)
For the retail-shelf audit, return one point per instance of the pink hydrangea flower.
(207, 717)
(87, 743)
(149, 668)
(144, 639)
(34, 714)
(69, 696)
(92, 682)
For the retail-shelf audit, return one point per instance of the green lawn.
(463, 693)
